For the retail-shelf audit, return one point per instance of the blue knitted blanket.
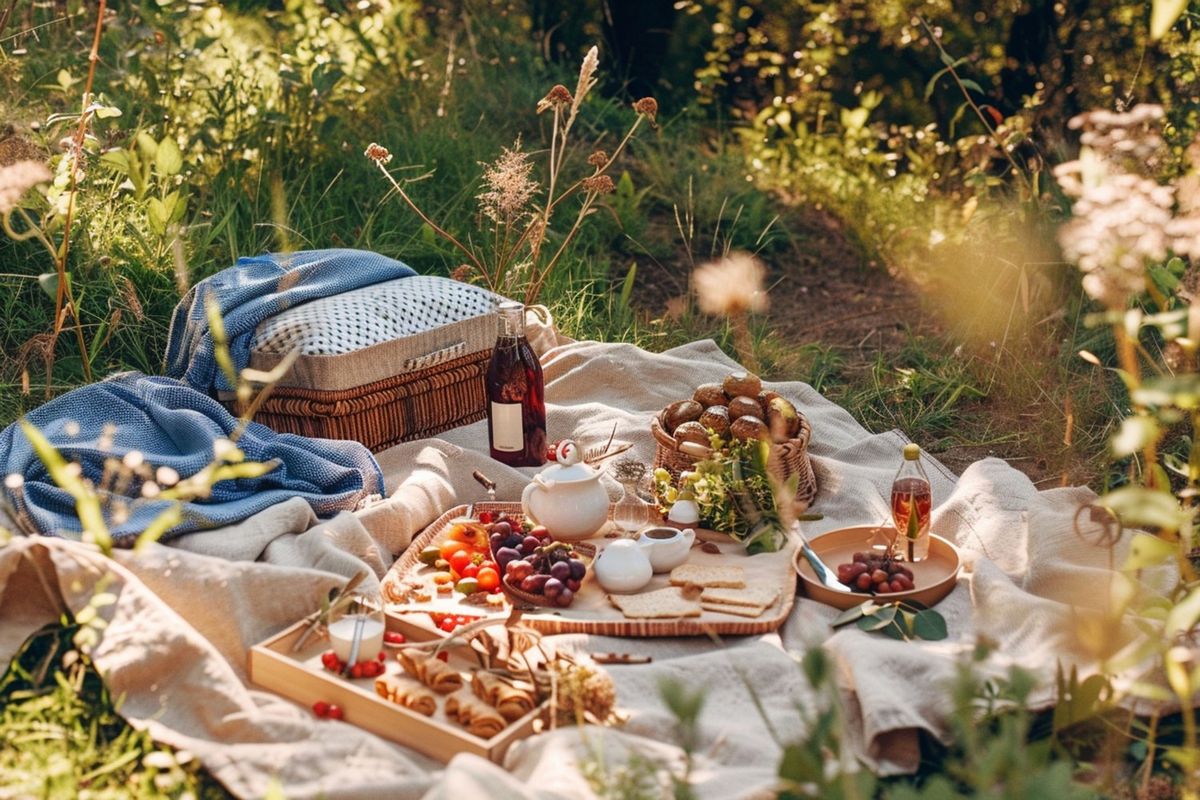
(165, 423)
(253, 290)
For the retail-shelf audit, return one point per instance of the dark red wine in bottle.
(516, 401)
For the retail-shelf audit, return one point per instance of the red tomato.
(449, 548)
(459, 561)
(469, 571)
(485, 517)
(485, 564)
(488, 578)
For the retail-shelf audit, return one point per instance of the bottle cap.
(912, 451)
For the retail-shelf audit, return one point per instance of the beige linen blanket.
(175, 647)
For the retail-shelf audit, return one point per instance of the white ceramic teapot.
(666, 547)
(567, 497)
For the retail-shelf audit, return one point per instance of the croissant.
(476, 716)
(512, 702)
(406, 692)
(435, 674)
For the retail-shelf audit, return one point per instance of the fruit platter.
(439, 702)
(483, 556)
(862, 560)
(485, 560)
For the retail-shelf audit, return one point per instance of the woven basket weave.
(413, 405)
(786, 458)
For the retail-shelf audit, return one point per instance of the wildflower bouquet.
(520, 243)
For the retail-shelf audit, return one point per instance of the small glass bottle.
(516, 403)
(912, 501)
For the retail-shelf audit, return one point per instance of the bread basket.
(787, 459)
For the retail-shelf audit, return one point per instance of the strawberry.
(321, 708)
(335, 711)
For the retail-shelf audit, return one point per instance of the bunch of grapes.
(878, 574)
(532, 562)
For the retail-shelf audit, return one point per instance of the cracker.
(668, 603)
(726, 608)
(749, 596)
(706, 576)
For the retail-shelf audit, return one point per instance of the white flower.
(17, 179)
(733, 285)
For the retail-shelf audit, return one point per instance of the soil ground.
(825, 292)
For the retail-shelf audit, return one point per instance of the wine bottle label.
(508, 431)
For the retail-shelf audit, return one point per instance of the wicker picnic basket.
(787, 459)
(383, 364)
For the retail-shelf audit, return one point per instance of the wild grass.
(63, 735)
(272, 139)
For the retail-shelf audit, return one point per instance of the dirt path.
(829, 302)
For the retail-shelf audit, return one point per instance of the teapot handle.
(537, 483)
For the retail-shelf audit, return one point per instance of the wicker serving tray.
(591, 612)
(299, 676)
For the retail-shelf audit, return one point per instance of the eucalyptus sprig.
(898, 619)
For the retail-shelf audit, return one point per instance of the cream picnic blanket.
(176, 643)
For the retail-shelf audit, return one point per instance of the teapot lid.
(568, 466)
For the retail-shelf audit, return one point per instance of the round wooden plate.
(935, 577)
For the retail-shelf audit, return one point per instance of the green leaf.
(146, 145)
(879, 620)
(1184, 616)
(854, 119)
(851, 615)
(1147, 551)
(932, 84)
(87, 503)
(627, 286)
(117, 160)
(1163, 16)
(1181, 391)
(625, 188)
(972, 85)
(1138, 507)
(929, 625)
(167, 158)
(1136, 432)
(49, 283)
(816, 665)
(157, 215)
(106, 112)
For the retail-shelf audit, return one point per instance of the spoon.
(359, 622)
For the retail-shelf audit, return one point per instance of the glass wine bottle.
(912, 501)
(516, 404)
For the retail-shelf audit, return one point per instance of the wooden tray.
(934, 577)
(591, 612)
(300, 677)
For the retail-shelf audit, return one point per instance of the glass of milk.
(365, 606)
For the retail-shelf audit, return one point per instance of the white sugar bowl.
(622, 567)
